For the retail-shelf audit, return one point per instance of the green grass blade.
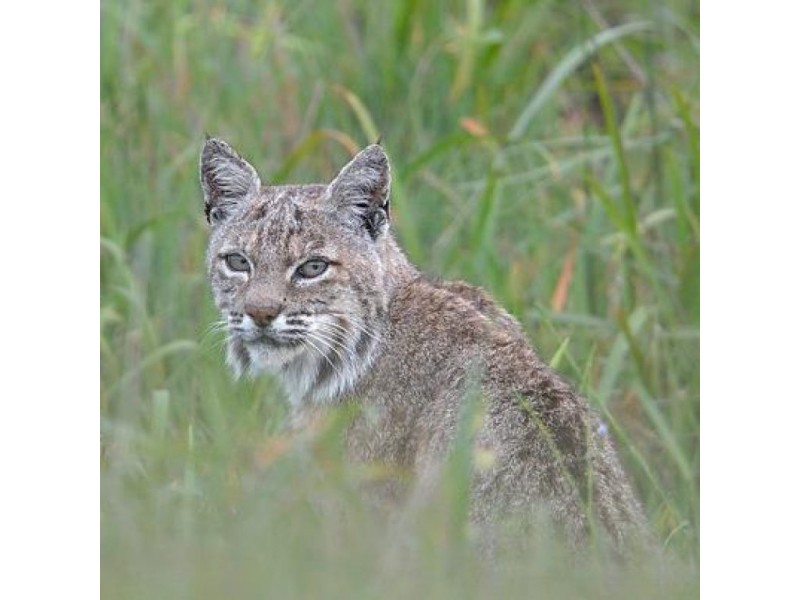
(566, 67)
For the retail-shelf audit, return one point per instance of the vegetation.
(546, 151)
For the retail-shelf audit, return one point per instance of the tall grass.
(546, 151)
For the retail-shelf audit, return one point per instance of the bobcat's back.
(541, 444)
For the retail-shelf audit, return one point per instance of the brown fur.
(404, 349)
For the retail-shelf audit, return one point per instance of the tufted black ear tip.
(361, 190)
(226, 178)
(373, 156)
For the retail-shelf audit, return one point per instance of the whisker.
(359, 326)
(327, 343)
(213, 330)
(331, 337)
(311, 343)
(335, 335)
(220, 343)
(214, 327)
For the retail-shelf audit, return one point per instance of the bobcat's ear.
(227, 179)
(361, 190)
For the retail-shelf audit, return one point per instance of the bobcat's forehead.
(284, 221)
(285, 200)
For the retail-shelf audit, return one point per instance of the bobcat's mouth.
(266, 337)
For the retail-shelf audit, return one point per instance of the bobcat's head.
(299, 272)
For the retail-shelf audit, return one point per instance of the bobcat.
(315, 289)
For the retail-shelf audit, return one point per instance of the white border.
(49, 58)
(750, 300)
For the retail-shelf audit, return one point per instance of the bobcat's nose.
(264, 312)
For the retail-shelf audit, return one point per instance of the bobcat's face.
(296, 272)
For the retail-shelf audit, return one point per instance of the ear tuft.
(227, 179)
(361, 190)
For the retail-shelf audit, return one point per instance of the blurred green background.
(547, 151)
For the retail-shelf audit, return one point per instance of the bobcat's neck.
(398, 270)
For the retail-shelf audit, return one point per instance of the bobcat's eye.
(237, 262)
(312, 268)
